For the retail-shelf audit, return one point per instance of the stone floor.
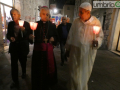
(105, 74)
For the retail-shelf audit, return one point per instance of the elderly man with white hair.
(19, 46)
(82, 47)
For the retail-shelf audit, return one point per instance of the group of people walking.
(76, 42)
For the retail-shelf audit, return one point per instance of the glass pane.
(8, 2)
(6, 18)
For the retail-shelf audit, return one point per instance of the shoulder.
(11, 22)
(76, 20)
(60, 25)
(51, 23)
(26, 22)
(96, 21)
(69, 24)
(38, 21)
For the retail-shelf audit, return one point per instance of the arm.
(55, 35)
(100, 37)
(9, 32)
(69, 38)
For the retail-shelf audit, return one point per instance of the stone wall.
(29, 8)
(69, 10)
(106, 28)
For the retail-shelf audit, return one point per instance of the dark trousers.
(63, 55)
(14, 64)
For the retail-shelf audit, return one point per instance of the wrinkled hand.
(22, 28)
(31, 37)
(12, 39)
(51, 39)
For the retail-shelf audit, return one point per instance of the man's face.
(64, 21)
(83, 14)
(44, 14)
(15, 15)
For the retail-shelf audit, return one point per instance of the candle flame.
(21, 22)
(96, 29)
(33, 25)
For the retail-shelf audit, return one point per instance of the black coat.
(21, 44)
(60, 32)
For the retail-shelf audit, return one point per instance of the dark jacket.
(21, 44)
(60, 31)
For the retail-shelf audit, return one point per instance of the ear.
(88, 12)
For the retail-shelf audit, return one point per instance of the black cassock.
(44, 71)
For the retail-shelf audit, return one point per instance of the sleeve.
(69, 38)
(8, 35)
(27, 30)
(55, 35)
(58, 32)
(30, 31)
(100, 36)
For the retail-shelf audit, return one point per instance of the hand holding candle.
(33, 26)
(96, 30)
(21, 22)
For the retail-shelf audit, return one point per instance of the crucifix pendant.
(45, 40)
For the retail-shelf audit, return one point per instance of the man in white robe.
(80, 47)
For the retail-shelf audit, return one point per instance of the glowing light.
(21, 22)
(33, 25)
(55, 10)
(96, 29)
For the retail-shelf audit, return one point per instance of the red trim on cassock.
(48, 47)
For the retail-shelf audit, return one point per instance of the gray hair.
(13, 9)
(44, 8)
(64, 17)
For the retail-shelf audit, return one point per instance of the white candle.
(21, 22)
(33, 27)
(96, 30)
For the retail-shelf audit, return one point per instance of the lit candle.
(96, 30)
(33, 26)
(21, 22)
